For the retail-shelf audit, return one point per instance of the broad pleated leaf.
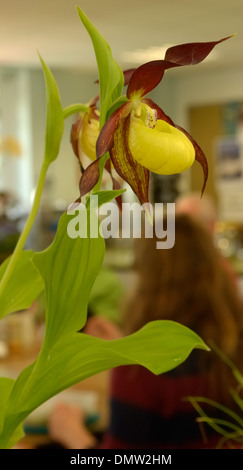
(6, 386)
(54, 116)
(69, 268)
(24, 285)
(159, 346)
(131, 171)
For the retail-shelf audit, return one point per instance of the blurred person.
(185, 284)
(203, 208)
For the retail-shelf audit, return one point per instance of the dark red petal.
(191, 53)
(74, 136)
(106, 136)
(127, 75)
(199, 155)
(131, 171)
(147, 77)
(115, 183)
(94, 101)
(89, 178)
(74, 205)
(93, 112)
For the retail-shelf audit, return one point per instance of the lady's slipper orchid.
(139, 136)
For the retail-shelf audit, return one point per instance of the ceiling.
(53, 28)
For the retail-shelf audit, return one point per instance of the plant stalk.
(25, 233)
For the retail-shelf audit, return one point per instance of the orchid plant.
(132, 134)
(229, 426)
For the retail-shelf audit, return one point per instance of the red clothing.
(148, 411)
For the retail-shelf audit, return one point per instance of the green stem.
(74, 108)
(24, 235)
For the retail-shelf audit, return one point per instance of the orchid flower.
(85, 132)
(84, 136)
(138, 137)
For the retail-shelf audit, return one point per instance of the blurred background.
(206, 99)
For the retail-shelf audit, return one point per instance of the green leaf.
(6, 386)
(218, 425)
(24, 285)
(99, 198)
(111, 77)
(236, 372)
(227, 411)
(120, 101)
(54, 116)
(106, 295)
(69, 267)
(238, 400)
(159, 346)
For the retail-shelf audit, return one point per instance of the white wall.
(16, 171)
(205, 87)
